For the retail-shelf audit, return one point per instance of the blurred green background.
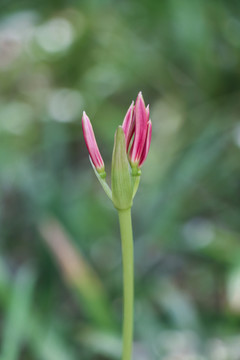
(60, 262)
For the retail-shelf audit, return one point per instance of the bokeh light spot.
(55, 36)
(65, 105)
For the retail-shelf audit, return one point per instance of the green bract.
(121, 179)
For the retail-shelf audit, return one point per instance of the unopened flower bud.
(92, 145)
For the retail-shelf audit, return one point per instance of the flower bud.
(140, 133)
(92, 145)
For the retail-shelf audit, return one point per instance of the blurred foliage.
(60, 264)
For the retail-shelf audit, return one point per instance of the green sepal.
(102, 179)
(121, 178)
(135, 184)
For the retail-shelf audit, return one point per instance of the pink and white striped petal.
(147, 143)
(91, 143)
(147, 112)
(140, 130)
(128, 125)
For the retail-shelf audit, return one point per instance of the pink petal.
(141, 118)
(128, 119)
(147, 144)
(128, 124)
(91, 143)
(147, 112)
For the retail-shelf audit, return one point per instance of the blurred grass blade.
(5, 281)
(47, 344)
(43, 340)
(103, 343)
(17, 317)
(79, 274)
(194, 164)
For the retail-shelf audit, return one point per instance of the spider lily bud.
(131, 146)
(92, 145)
(121, 179)
(138, 131)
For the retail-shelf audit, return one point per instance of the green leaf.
(17, 317)
(121, 179)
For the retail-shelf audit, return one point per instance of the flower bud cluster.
(131, 146)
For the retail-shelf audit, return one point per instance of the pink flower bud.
(92, 144)
(142, 133)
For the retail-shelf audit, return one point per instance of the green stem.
(128, 280)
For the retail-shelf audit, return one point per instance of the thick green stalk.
(128, 280)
